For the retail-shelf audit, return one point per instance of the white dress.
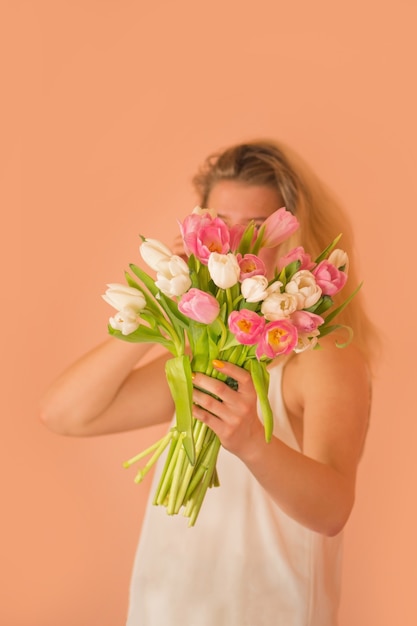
(244, 563)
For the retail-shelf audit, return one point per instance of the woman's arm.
(102, 392)
(316, 486)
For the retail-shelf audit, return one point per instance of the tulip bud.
(224, 269)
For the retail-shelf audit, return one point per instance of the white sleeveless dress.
(244, 563)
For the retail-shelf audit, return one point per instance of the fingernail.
(218, 364)
(192, 375)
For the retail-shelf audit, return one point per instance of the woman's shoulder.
(330, 355)
(327, 369)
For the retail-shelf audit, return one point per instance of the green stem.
(177, 479)
(199, 435)
(164, 482)
(211, 465)
(159, 450)
(144, 453)
(201, 467)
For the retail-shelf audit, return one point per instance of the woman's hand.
(232, 414)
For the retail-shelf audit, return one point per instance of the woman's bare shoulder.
(326, 375)
(331, 360)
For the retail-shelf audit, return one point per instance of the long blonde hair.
(320, 215)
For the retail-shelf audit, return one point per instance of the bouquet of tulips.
(219, 304)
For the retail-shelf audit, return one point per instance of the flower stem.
(211, 465)
(200, 430)
(144, 453)
(164, 482)
(159, 450)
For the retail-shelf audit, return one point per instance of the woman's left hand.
(232, 414)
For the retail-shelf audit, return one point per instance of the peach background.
(107, 109)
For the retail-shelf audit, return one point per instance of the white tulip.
(122, 296)
(278, 306)
(154, 253)
(275, 286)
(254, 289)
(339, 258)
(224, 269)
(127, 321)
(305, 289)
(198, 210)
(128, 302)
(306, 341)
(173, 277)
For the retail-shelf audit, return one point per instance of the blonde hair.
(320, 215)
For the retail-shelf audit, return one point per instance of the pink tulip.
(279, 337)
(296, 254)
(250, 265)
(306, 322)
(203, 234)
(329, 278)
(246, 325)
(236, 233)
(199, 306)
(278, 227)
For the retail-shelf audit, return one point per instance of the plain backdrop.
(106, 110)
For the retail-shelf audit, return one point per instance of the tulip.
(305, 289)
(250, 265)
(236, 232)
(329, 278)
(306, 341)
(306, 322)
(224, 269)
(154, 253)
(278, 227)
(189, 229)
(127, 321)
(278, 305)
(279, 337)
(173, 279)
(121, 297)
(129, 302)
(246, 325)
(199, 306)
(203, 234)
(254, 289)
(198, 210)
(339, 259)
(296, 254)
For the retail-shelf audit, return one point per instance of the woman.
(267, 545)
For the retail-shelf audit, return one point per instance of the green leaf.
(172, 311)
(344, 304)
(260, 378)
(247, 238)
(178, 375)
(327, 250)
(217, 330)
(329, 329)
(143, 334)
(321, 305)
(288, 272)
(147, 280)
(259, 240)
(152, 302)
(149, 318)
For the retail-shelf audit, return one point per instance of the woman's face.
(239, 203)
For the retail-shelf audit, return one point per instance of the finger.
(241, 375)
(207, 399)
(220, 389)
(212, 421)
